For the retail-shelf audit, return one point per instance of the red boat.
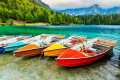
(86, 52)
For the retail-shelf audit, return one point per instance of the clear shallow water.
(108, 68)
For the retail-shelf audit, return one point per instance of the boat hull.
(1, 49)
(29, 53)
(55, 52)
(14, 48)
(79, 62)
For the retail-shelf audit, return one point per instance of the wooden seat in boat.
(99, 47)
(44, 35)
(21, 38)
(104, 43)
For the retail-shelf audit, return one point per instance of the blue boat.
(1, 49)
(14, 46)
(17, 45)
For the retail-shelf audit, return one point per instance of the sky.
(72, 4)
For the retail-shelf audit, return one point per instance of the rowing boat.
(79, 55)
(12, 44)
(24, 42)
(61, 46)
(37, 47)
(9, 41)
(2, 39)
(5, 38)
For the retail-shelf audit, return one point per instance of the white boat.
(37, 47)
(59, 47)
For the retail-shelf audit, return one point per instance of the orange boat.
(86, 53)
(37, 47)
(61, 46)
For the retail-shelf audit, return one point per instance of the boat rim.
(15, 46)
(28, 50)
(55, 49)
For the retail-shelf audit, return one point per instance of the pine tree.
(29, 17)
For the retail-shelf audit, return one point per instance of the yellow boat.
(61, 46)
(54, 50)
(37, 47)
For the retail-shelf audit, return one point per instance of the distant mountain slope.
(95, 9)
(24, 10)
(40, 3)
(36, 2)
(32, 11)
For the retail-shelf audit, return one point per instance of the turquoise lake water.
(108, 68)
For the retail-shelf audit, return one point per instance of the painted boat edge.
(81, 64)
(18, 54)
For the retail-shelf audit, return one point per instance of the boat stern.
(1, 49)
(29, 50)
(54, 50)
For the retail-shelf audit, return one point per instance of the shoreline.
(27, 24)
(36, 24)
(33, 24)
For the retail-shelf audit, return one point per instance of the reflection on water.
(108, 68)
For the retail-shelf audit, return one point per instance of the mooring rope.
(33, 66)
(30, 69)
(52, 71)
(9, 64)
(2, 53)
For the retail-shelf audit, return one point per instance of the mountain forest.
(111, 19)
(33, 11)
(29, 11)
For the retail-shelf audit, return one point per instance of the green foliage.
(0, 21)
(111, 19)
(11, 22)
(3, 24)
(29, 18)
(40, 3)
(30, 11)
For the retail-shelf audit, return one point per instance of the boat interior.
(52, 40)
(69, 42)
(12, 40)
(5, 38)
(42, 42)
(47, 40)
(96, 45)
(36, 38)
(22, 38)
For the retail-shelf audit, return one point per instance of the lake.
(108, 68)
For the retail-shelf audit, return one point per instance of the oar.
(43, 41)
(82, 42)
